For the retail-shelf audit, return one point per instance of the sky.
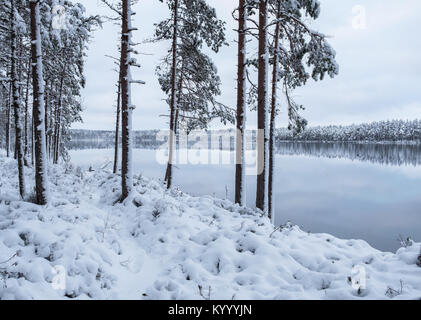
(378, 52)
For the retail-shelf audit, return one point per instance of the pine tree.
(192, 83)
(117, 126)
(41, 181)
(16, 101)
(294, 47)
(275, 79)
(296, 53)
(126, 104)
(65, 49)
(240, 195)
(262, 111)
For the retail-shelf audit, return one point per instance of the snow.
(165, 244)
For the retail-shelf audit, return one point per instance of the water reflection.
(386, 154)
(362, 199)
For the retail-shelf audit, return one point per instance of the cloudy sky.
(377, 45)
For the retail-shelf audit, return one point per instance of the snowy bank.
(163, 244)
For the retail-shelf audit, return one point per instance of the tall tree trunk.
(240, 176)
(41, 183)
(4, 106)
(177, 115)
(16, 100)
(262, 112)
(32, 142)
(46, 105)
(28, 83)
(49, 106)
(57, 134)
(8, 124)
(275, 79)
(177, 112)
(126, 107)
(117, 127)
(58, 122)
(173, 102)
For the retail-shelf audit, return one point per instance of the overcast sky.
(379, 58)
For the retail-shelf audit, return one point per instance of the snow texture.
(164, 244)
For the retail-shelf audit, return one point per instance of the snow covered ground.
(163, 244)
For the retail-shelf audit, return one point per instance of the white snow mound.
(163, 244)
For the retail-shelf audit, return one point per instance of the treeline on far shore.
(394, 131)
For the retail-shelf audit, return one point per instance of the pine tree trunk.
(49, 106)
(57, 129)
(262, 112)
(32, 142)
(240, 196)
(46, 105)
(28, 82)
(275, 79)
(177, 113)
(126, 107)
(41, 184)
(117, 127)
(8, 124)
(173, 106)
(16, 101)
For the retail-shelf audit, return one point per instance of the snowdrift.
(162, 244)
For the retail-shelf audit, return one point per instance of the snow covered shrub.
(68, 167)
(79, 172)
(392, 293)
(405, 243)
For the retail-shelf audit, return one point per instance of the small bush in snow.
(392, 293)
(405, 243)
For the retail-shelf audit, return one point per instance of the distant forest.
(399, 131)
(382, 131)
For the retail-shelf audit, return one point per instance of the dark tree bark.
(179, 94)
(41, 184)
(8, 124)
(32, 142)
(28, 83)
(126, 158)
(173, 107)
(46, 106)
(16, 101)
(117, 127)
(177, 114)
(275, 79)
(49, 107)
(262, 111)
(58, 122)
(241, 106)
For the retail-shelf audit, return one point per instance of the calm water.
(370, 192)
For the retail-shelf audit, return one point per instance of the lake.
(352, 191)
